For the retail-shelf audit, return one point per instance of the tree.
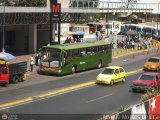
(26, 3)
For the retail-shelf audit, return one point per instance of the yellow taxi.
(111, 75)
(152, 64)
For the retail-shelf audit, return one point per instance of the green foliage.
(150, 94)
(25, 3)
(122, 108)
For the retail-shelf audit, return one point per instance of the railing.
(110, 5)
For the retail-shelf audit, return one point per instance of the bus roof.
(78, 45)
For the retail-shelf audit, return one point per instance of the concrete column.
(32, 38)
(48, 4)
(53, 31)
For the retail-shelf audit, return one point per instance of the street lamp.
(3, 26)
(157, 17)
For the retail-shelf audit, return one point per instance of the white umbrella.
(2, 55)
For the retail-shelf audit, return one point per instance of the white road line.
(98, 98)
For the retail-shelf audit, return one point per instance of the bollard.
(119, 52)
(114, 53)
(122, 51)
(133, 57)
(157, 49)
(148, 51)
(126, 50)
(143, 53)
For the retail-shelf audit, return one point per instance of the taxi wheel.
(124, 79)
(112, 83)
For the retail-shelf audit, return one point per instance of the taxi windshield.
(108, 71)
(153, 60)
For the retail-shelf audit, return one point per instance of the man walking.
(31, 62)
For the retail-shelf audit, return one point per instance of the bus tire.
(15, 79)
(99, 64)
(73, 69)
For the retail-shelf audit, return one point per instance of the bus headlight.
(59, 70)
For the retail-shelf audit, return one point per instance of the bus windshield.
(49, 55)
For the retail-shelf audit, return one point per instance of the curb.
(31, 73)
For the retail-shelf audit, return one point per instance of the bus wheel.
(73, 69)
(99, 64)
(15, 79)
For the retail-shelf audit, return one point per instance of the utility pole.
(107, 17)
(157, 17)
(3, 42)
(55, 16)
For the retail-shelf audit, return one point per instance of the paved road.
(96, 99)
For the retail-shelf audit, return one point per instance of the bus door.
(4, 74)
(90, 56)
(66, 56)
(82, 59)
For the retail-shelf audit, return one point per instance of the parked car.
(111, 75)
(152, 64)
(146, 81)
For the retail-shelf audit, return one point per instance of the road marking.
(16, 102)
(56, 92)
(65, 89)
(99, 98)
(134, 71)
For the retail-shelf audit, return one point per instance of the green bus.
(70, 58)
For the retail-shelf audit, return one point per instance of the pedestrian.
(36, 58)
(133, 44)
(31, 62)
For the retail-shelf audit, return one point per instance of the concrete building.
(26, 32)
(26, 37)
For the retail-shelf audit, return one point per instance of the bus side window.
(75, 53)
(100, 49)
(94, 50)
(89, 51)
(67, 56)
(83, 52)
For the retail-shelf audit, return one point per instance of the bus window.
(83, 52)
(94, 50)
(89, 51)
(67, 57)
(100, 49)
(75, 53)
